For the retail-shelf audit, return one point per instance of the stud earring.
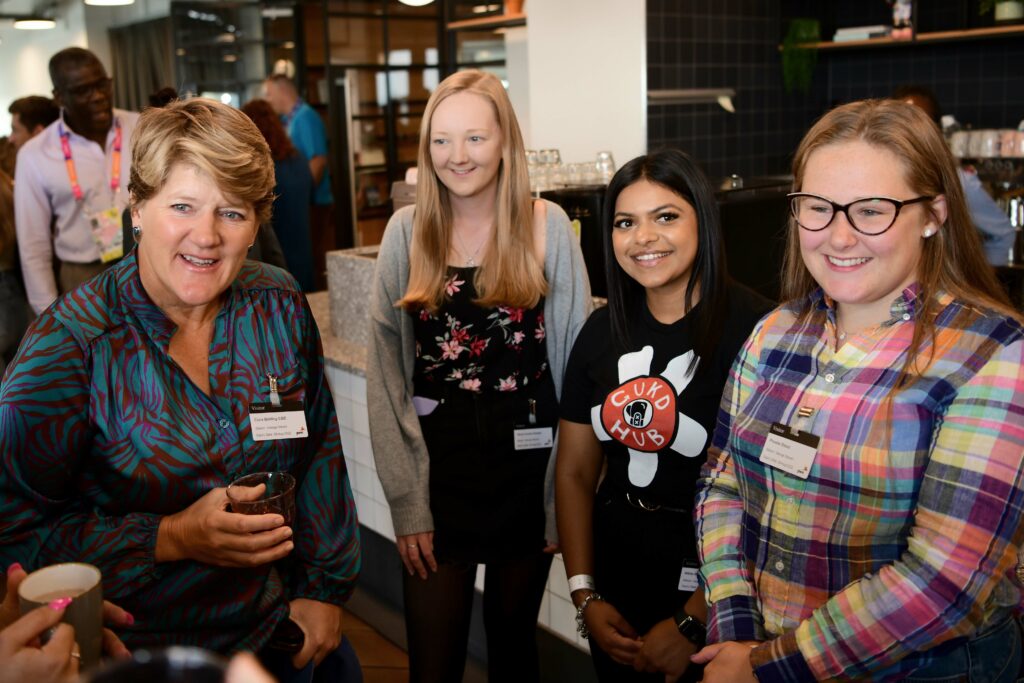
(136, 230)
(928, 232)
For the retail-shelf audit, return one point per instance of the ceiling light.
(34, 23)
(416, 3)
(108, 3)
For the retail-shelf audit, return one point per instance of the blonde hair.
(510, 274)
(6, 213)
(952, 259)
(215, 138)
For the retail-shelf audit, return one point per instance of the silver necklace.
(471, 259)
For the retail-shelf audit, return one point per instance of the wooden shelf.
(499, 21)
(933, 37)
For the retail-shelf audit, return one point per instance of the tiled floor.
(382, 660)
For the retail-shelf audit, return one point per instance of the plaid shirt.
(904, 534)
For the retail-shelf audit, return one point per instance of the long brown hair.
(510, 273)
(263, 115)
(952, 260)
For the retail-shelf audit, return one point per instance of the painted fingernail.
(59, 603)
(15, 566)
(129, 619)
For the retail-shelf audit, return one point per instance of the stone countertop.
(337, 352)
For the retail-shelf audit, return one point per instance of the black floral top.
(478, 349)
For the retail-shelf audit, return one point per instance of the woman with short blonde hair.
(138, 399)
(478, 295)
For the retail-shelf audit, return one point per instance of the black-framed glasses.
(870, 216)
(86, 89)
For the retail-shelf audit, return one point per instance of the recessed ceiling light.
(109, 3)
(416, 3)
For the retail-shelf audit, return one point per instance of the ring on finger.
(75, 654)
(412, 546)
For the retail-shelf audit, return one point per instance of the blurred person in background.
(306, 130)
(30, 116)
(993, 224)
(14, 311)
(292, 193)
(70, 182)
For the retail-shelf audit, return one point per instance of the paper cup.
(83, 584)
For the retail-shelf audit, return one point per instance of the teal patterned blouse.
(102, 434)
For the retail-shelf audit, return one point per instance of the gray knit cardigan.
(398, 447)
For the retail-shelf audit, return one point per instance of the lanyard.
(115, 171)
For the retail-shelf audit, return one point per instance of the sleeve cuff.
(411, 517)
(735, 618)
(771, 665)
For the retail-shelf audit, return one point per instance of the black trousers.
(638, 558)
(437, 618)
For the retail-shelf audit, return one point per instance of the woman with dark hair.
(861, 508)
(292, 193)
(642, 388)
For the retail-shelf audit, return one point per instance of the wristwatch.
(690, 628)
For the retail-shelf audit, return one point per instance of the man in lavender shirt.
(71, 182)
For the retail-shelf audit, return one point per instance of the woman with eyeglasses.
(860, 511)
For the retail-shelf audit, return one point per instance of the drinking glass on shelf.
(605, 166)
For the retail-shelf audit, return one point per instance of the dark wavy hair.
(676, 171)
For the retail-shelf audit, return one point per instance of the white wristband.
(581, 582)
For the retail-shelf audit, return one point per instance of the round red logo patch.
(641, 414)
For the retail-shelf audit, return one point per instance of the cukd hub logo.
(641, 413)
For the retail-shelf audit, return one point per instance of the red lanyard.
(115, 171)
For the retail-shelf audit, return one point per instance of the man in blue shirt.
(306, 129)
(997, 233)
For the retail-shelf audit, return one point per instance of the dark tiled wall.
(734, 43)
(727, 43)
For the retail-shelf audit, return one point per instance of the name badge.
(689, 578)
(106, 232)
(269, 422)
(790, 450)
(535, 437)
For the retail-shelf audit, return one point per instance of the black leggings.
(438, 610)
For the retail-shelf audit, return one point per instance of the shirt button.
(780, 565)
(906, 316)
(224, 424)
(830, 377)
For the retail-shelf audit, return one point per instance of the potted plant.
(1006, 11)
(799, 54)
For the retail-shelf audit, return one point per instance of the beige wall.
(587, 77)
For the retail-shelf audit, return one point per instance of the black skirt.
(487, 498)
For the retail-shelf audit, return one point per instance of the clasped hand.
(207, 532)
(727, 662)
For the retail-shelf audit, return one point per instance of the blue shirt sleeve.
(996, 231)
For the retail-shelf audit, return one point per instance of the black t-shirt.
(654, 417)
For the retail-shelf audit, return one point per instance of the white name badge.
(689, 579)
(790, 450)
(269, 422)
(534, 437)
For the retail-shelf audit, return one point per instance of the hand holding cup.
(208, 532)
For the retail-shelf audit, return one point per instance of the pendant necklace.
(471, 259)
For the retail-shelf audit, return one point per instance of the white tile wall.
(557, 613)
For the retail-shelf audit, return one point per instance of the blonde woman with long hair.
(861, 508)
(478, 296)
